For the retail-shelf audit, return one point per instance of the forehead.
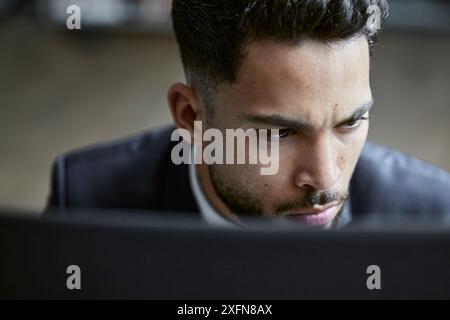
(304, 77)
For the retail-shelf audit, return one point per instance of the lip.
(314, 216)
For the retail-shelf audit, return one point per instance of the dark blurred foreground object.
(126, 255)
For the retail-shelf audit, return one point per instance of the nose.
(317, 165)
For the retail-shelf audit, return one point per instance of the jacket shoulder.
(123, 173)
(387, 181)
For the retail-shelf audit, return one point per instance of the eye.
(354, 123)
(282, 133)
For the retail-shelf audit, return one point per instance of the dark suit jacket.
(137, 173)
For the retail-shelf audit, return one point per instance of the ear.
(184, 106)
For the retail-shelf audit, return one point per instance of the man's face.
(318, 96)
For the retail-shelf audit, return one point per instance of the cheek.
(278, 187)
(244, 176)
(269, 192)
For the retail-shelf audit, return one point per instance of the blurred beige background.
(59, 91)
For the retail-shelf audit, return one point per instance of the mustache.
(312, 198)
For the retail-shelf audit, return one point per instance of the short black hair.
(212, 34)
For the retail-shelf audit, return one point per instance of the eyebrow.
(278, 120)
